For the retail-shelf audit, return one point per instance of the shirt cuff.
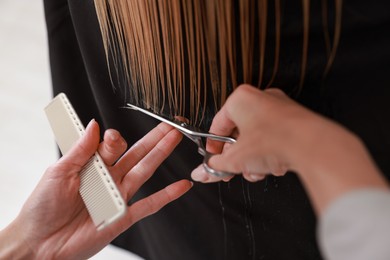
(357, 226)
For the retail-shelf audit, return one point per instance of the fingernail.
(256, 177)
(113, 135)
(90, 124)
(199, 174)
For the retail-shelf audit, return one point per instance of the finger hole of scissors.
(212, 171)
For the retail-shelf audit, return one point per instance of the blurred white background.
(27, 145)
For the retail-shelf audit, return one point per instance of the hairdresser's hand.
(54, 223)
(276, 134)
(259, 120)
(273, 131)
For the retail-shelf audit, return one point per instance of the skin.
(275, 135)
(54, 223)
(330, 161)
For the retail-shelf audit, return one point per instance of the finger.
(156, 201)
(222, 125)
(241, 158)
(84, 148)
(232, 115)
(148, 165)
(237, 110)
(280, 171)
(254, 177)
(275, 92)
(140, 149)
(217, 147)
(227, 161)
(276, 167)
(199, 174)
(112, 147)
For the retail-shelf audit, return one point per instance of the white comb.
(97, 189)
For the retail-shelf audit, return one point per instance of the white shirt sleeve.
(357, 227)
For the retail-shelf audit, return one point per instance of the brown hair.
(175, 51)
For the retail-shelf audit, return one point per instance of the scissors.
(196, 136)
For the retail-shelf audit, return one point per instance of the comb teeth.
(99, 193)
(97, 189)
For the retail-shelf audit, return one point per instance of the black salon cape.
(272, 219)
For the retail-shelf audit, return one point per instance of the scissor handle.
(197, 138)
(212, 171)
(225, 139)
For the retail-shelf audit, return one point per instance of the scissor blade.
(195, 136)
(189, 131)
(162, 119)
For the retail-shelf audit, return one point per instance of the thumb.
(85, 147)
(231, 160)
(225, 162)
